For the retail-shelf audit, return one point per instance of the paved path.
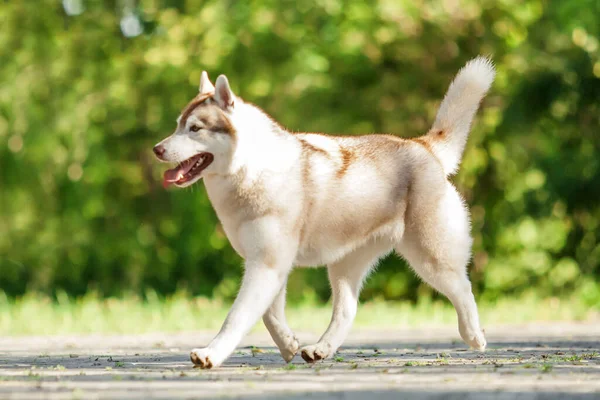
(526, 362)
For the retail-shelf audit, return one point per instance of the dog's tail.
(448, 135)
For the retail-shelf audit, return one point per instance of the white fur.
(458, 109)
(288, 200)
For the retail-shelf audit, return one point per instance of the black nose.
(159, 150)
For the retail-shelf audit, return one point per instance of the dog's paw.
(291, 349)
(316, 352)
(202, 358)
(475, 340)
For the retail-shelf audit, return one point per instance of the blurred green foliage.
(89, 86)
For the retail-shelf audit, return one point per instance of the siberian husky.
(307, 199)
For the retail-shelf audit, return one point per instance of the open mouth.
(187, 170)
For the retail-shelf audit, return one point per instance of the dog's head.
(204, 140)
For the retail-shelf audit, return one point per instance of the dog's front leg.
(277, 326)
(262, 281)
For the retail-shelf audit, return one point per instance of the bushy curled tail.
(448, 136)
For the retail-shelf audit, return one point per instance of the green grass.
(545, 368)
(38, 315)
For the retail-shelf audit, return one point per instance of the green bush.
(89, 87)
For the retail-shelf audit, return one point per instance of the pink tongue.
(173, 175)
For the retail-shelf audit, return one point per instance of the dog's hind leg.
(437, 244)
(346, 277)
(277, 326)
(452, 281)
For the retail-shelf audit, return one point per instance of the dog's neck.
(263, 152)
(261, 144)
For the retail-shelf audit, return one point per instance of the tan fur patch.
(347, 158)
(196, 101)
(209, 114)
(423, 143)
(308, 147)
(214, 119)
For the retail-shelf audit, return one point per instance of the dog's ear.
(205, 85)
(223, 94)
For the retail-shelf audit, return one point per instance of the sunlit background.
(88, 87)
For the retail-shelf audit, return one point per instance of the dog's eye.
(194, 128)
